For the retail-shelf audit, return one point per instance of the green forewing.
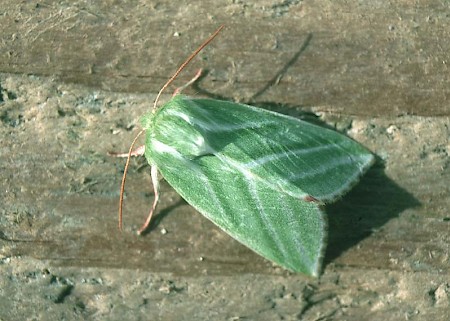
(255, 173)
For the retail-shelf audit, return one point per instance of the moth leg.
(190, 82)
(137, 152)
(155, 182)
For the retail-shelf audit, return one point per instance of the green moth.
(261, 176)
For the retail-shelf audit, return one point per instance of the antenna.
(130, 152)
(186, 62)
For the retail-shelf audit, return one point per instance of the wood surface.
(75, 78)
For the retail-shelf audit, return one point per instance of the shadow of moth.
(261, 176)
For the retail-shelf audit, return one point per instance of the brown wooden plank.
(75, 78)
(368, 60)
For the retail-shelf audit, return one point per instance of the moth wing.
(281, 228)
(293, 156)
(253, 173)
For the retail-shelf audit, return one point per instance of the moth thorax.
(193, 145)
(183, 138)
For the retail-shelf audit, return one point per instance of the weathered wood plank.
(377, 71)
(373, 59)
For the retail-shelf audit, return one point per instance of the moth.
(261, 176)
